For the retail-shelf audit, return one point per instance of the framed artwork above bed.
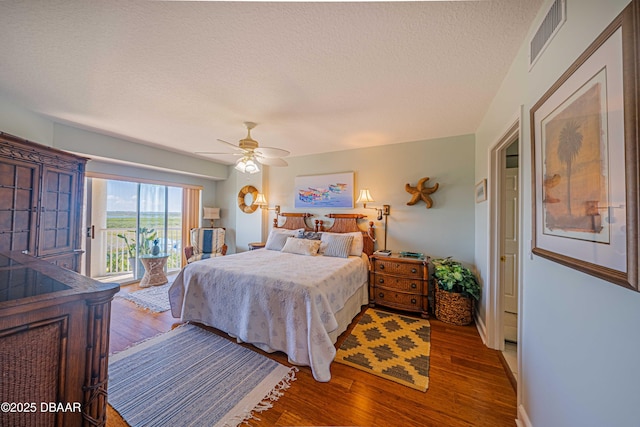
(324, 191)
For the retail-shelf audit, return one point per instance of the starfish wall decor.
(421, 192)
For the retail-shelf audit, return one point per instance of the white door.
(509, 257)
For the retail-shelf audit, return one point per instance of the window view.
(130, 220)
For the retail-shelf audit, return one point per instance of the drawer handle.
(381, 295)
(381, 280)
(413, 301)
(414, 270)
(414, 286)
(382, 267)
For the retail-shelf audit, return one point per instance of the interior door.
(509, 258)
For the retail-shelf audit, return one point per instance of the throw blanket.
(277, 301)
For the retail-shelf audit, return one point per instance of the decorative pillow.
(294, 245)
(311, 235)
(337, 245)
(357, 245)
(277, 238)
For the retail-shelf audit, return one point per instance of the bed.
(279, 300)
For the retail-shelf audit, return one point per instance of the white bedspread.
(276, 300)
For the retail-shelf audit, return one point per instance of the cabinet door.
(59, 211)
(18, 205)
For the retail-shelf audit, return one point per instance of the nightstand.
(256, 245)
(400, 282)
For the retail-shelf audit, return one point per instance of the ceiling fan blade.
(235, 147)
(271, 152)
(215, 153)
(271, 161)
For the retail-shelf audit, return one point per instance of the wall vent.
(553, 20)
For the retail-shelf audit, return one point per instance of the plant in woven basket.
(452, 276)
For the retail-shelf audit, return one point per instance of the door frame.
(495, 305)
(87, 225)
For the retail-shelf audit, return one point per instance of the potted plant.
(142, 247)
(457, 289)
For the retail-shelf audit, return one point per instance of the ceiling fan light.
(241, 166)
(247, 165)
(251, 166)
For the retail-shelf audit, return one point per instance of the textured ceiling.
(316, 77)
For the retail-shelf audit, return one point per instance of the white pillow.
(278, 237)
(294, 245)
(337, 244)
(357, 244)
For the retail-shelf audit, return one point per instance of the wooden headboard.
(343, 223)
(293, 221)
(348, 223)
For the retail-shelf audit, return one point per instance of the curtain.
(190, 216)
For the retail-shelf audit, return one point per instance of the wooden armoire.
(41, 201)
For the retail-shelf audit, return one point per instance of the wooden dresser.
(399, 282)
(41, 192)
(54, 344)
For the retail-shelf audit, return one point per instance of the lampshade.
(247, 165)
(260, 200)
(365, 197)
(211, 213)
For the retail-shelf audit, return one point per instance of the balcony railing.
(116, 255)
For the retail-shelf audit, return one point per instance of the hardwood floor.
(468, 384)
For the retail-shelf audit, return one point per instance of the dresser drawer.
(398, 283)
(401, 300)
(405, 269)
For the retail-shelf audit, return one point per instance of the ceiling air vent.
(550, 25)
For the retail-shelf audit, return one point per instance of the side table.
(154, 274)
(256, 245)
(400, 282)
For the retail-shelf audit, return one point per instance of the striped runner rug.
(193, 377)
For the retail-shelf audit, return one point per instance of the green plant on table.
(452, 276)
(145, 237)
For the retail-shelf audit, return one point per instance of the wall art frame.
(481, 191)
(584, 139)
(334, 190)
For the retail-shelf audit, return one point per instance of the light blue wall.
(20, 122)
(115, 156)
(579, 337)
(444, 230)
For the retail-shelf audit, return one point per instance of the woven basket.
(454, 308)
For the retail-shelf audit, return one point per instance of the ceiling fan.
(252, 154)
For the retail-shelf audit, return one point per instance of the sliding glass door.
(127, 219)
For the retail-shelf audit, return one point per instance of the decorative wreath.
(247, 189)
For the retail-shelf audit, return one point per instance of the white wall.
(579, 337)
(444, 230)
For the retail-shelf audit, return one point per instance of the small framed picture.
(481, 191)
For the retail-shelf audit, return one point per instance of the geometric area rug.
(192, 377)
(390, 346)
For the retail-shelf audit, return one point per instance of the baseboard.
(482, 329)
(508, 371)
(523, 418)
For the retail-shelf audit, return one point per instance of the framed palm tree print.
(584, 133)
